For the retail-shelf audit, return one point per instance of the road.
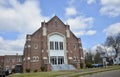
(114, 73)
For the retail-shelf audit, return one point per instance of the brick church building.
(53, 45)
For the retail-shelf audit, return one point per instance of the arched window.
(37, 58)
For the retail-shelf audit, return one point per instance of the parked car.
(97, 65)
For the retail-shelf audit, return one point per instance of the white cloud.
(81, 25)
(70, 11)
(95, 47)
(80, 22)
(91, 1)
(110, 51)
(91, 32)
(83, 32)
(22, 18)
(79, 33)
(112, 29)
(110, 8)
(11, 47)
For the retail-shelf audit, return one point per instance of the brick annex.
(51, 46)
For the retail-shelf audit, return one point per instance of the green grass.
(68, 73)
(96, 71)
(41, 74)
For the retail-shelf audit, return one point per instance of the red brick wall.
(12, 60)
(54, 25)
(1, 60)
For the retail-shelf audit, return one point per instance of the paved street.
(114, 73)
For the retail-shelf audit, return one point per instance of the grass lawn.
(95, 71)
(42, 74)
(69, 73)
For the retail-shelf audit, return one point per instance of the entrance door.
(57, 60)
(53, 60)
(60, 60)
(18, 69)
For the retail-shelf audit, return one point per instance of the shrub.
(42, 68)
(81, 65)
(89, 64)
(35, 70)
(13, 70)
(27, 70)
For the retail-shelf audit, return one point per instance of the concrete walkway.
(113, 73)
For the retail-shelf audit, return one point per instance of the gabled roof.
(58, 19)
(55, 18)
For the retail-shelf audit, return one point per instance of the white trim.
(29, 46)
(28, 39)
(44, 57)
(68, 33)
(44, 31)
(64, 44)
(70, 58)
(28, 58)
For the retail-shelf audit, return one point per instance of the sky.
(90, 20)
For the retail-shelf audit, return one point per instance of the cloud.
(80, 22)
(81, 25)
(91, 1)
(110, 8)
(90, 32)
(81, 33)
(112, 29)
(19, 17)
(70, 11)
(22, 18)
(110, 51)
(11, 47)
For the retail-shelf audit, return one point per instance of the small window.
(33, 58)
(51, 45)
(56, 45)
(19, 59)
(74, 46)
(37, 58)
(75, 58)
(61, 45)
(35, 46)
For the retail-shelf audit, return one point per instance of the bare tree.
(88, 56)
(114, 41)
(97, 58)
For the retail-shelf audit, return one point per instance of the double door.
(57, 60)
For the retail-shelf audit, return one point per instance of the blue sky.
(91, 20)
